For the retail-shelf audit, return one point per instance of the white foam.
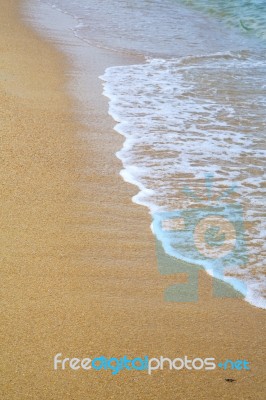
(184, 118)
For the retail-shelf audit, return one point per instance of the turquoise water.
(249, 16)
(164, 28)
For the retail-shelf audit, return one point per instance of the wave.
(184, 119)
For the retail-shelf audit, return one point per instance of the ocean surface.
(194, 120)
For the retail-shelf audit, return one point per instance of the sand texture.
(78, 267)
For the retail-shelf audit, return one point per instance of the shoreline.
(80, 274)
(58, 27)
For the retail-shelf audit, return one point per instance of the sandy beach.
(79, 270)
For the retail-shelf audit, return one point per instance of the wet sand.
(79, 272)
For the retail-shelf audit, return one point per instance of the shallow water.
(195, 109)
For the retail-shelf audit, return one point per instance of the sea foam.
(181, 122)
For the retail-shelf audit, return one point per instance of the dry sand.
(79, 273)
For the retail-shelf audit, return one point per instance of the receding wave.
(184, 119)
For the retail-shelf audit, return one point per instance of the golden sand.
(79, 273)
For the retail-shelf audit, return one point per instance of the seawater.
(194, 109)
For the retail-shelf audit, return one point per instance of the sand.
(78, 266)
